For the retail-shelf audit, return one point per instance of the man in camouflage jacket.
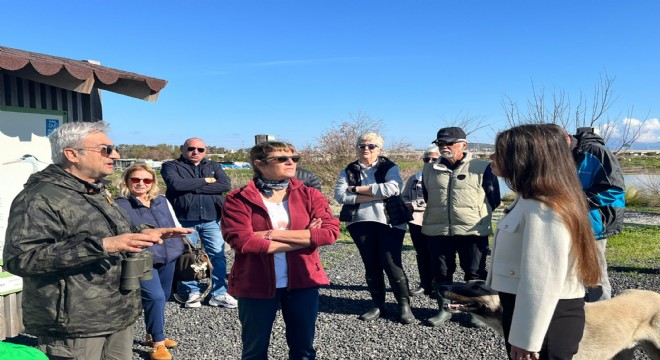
(67, 239)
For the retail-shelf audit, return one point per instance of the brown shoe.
(168, 343)
(160, 353)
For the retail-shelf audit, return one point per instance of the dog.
(631, 318)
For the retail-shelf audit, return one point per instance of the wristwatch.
(354, 189)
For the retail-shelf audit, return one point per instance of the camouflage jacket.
(54, 241)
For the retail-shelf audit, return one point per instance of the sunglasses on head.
(135, 180)
(192, 148)
(104, 149)
(370, 146)
(283, 159)
(431, 159)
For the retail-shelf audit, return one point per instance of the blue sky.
(292, 68)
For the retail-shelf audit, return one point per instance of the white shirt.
(279, 217)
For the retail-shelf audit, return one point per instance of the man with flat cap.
(461, 193)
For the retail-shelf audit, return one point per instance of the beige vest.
(457, 203)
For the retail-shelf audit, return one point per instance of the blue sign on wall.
(51, 125)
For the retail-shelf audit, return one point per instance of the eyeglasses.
(107, 149)
(145, 181)
(370, 146)
(429, 159)
(283, 159)
(192, 148)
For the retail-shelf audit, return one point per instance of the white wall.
(21, 133)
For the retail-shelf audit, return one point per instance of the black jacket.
(308, 178)
(192, 198)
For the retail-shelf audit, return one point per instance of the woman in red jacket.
(274, 224)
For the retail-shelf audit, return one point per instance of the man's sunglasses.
(145, 181)
(427, 159)
(370, 146)
(283, 159)
(446, 143)
(107, 149)
(192, 148)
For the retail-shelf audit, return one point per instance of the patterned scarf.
(266, 186)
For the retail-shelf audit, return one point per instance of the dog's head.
(474, 297)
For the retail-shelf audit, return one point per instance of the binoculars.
(135, 267)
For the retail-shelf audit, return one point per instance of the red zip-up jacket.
(253, 272)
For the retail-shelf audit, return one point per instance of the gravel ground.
(214, 333)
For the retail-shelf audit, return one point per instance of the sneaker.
(225, 300)
(194, 300)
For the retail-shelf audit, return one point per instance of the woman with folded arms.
(275, 225)
(362, 188)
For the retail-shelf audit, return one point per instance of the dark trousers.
(564, 333)
(155, 293)
(299, 310)
(421, 244)
(380, 249)
(471, 251)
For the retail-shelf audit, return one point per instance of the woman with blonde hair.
(141, 200)
(544, 251)
(363, 188)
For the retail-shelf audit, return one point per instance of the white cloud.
(649, 130)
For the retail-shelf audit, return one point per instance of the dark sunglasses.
(283, 159)
(370, 146)
(431, 159)
(446, 143)
(107, 149)
(192, 148)
(145, 181)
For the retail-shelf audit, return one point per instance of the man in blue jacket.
(602, 181)
(194, 187)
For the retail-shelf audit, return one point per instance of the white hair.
(71, 135)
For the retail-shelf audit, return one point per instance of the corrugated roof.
(78, 75)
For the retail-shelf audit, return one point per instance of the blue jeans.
(155, 293)
(300, 309)
(214, 245)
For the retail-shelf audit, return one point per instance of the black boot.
(377, 291)
(442, 315)
(400, 289)
(417, 292)
(372, 314)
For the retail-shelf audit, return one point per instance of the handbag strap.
(188, 243)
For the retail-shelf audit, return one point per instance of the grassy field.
(640, 164)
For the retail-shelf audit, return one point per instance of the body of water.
(636, 180)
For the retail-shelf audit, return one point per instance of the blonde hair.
(370, 137)
(126, 177)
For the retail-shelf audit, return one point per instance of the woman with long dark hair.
(544, 251)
